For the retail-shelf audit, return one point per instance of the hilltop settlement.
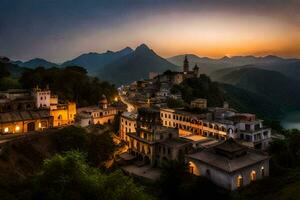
(156, 125)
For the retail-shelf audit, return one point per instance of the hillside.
(272, 85)
(135, 66)
(93, 62)
(36, 62)
(289, 67)
(238, 98)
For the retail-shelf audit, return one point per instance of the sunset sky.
(59, 30)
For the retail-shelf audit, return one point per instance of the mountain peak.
(143, 47)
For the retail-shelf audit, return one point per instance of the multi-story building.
(63, 114)
(241, 126)
(101, 114)
(127, 124)
(18, 101)
(42, 97)
(229, 164)
(153, 143)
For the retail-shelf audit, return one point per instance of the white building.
(42, 97)
(229, 164)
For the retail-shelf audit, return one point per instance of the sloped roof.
(212, 158)
(23, 115)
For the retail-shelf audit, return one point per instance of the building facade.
(18, 122)
(229, 164)
(127, 124)
(153, 143)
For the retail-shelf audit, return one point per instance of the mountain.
(135, 66)
(93, 62)
(272, 85)
(270, 62)
(36, 62)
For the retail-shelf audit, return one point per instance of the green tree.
(68, 176)
(70, 138)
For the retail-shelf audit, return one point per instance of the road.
(130, 107)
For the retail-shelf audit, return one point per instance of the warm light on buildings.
(17, 128)
(40, 125)
(6, 130)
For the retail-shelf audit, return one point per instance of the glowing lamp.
(6, 130)
(17, 128)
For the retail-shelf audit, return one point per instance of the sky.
(59, 30)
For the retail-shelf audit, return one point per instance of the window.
(253, 175)
(239, 181)
(262, 171)
(6, 130)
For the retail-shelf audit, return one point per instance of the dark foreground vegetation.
(69, 83)
(65, 164)
(71, 164)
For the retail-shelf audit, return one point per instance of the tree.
(68, 176)
(3, 71)
(70, 138)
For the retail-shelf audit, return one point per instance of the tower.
(103, 102)
(196, 70)
(185, 65)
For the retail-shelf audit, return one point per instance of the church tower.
(185, 65)
(196, 70)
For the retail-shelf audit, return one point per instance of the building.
(16, 100)
(42, 97)
(220, 124)
(38, 99)
(17, 122)
(101, 114)
(63, 114)
(199, 103)
(153, 143)
(229, 164)
(127, 124)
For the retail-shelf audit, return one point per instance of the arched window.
(253, 175)
(239, 181)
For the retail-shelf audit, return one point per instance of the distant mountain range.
(36, 62)
(289, 67)
(135, 66)
(270, 80)
(94, 62)
(274, 86)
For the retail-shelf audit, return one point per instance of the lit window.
(40, 125)
(6, 130)
(262, 171)
(239, 182)
(253, 175)
(17, 128)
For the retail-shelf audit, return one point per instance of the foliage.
(175, 103)
(286, 153)
(101, 148)
(70, 138)
(70, 83)
(176, 183)
(98, 147)
(9, 83)
(4, 72)
(274, 125)
(68, 176)
(201, 87)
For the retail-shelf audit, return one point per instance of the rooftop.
(213, 158)
(23, 115)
